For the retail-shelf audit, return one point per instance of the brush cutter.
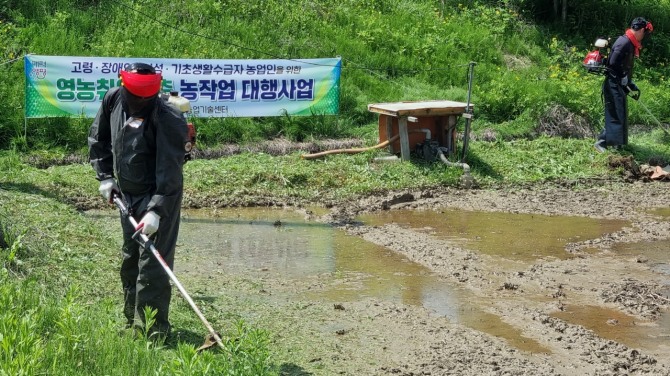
(213, 338)
(663, 127)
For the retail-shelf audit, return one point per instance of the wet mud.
(579, 285)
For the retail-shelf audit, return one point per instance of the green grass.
(249, 177)
(59, 293)
(57, 276)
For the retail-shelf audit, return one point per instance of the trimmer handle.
(633, 91)
(118, 201)
(143, 238)
(635, 95)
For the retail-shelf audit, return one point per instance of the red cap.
(142, 85)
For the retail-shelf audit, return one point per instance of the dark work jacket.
(145, 160)
(620, 61)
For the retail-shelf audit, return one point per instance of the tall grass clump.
(42, 333)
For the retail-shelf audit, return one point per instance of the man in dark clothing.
(136, 147)
(619, 83)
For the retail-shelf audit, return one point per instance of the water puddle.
(266, 242)
(617, 326)
(258, 243)
(655, 253)
(661, 212)
(520, 237)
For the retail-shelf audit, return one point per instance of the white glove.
(106, 188)
(624, 81)
(149, 223)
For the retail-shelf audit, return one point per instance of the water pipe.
(466, 180)
(426, 131)
(349, 151)
(463, 165)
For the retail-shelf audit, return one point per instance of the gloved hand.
(149, 223)
(107, 187)
(632, 90)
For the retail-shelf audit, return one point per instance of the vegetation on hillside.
(528, 62)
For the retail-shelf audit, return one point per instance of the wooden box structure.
(414, 121)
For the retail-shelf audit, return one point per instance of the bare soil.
(377, 338)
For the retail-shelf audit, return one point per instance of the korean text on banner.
(75, 86)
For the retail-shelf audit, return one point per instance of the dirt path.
(383, 338)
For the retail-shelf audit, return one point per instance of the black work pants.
(615, 132)
(145, 282)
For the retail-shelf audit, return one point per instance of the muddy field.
(377, 336)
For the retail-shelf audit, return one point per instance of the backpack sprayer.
(596, 61)
(183, 105)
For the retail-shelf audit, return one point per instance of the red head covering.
(142, 85)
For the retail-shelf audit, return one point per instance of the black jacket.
(621, 58)
(144, 158)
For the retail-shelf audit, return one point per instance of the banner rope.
(13, 60)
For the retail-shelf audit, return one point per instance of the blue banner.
(74, 86)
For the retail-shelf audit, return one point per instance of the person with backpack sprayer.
(619, 84)
(137, 144)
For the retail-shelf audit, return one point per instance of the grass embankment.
(391, 50)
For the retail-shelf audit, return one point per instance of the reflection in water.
(255, 239)
(259, 241)
(524, 237)
(276, 242)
